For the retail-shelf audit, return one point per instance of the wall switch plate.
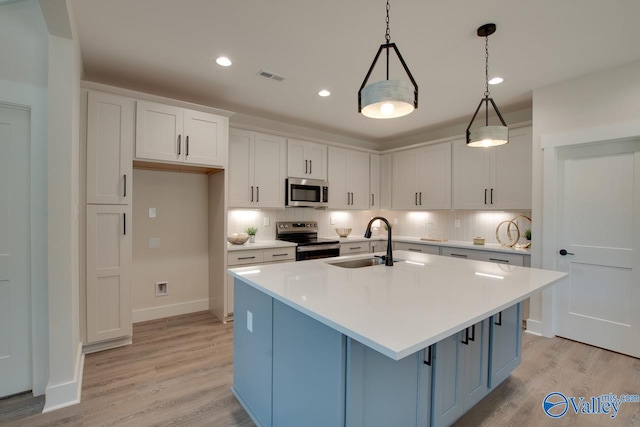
(331, 220)
(456, 223)
(152, 212)
(162, 289)
(154, 242)
(265, 221)
(250, 321)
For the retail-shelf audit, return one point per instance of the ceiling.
(169, 47)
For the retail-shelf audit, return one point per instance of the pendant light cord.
(387, 35)
(486, 66)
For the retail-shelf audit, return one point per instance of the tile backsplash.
(449, 225)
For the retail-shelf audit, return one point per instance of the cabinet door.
(506, 345)
(471, 168)
(239, 171)
(511, 182)
(297, 167)
(476, 365)
(405, 193)
(108, 272)
(269, 166)
(354, 248)
(110, 133)
(358, 179)
(374, 181)
(317, 156)
(460, 253)
(447, 381)
(339, 197)
(434, 177)
(159, 132)
(205, 141)
(386, 179)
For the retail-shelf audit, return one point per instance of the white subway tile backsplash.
(430, 224)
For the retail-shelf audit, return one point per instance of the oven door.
(304, 253)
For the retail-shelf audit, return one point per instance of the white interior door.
(15, 307)
(599, 228)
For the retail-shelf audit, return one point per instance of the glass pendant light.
(388, 99)
(487, 136)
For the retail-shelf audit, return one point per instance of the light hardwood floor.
(179, 370)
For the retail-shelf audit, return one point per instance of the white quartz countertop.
(260, 244)
(401, 309)
(493, 247)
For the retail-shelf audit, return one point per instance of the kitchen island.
(418, 343)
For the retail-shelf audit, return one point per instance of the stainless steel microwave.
(307, 193)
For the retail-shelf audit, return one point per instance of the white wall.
(182, 258)
(606, 98)
(23, 81)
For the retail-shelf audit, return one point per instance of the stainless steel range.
(305, 235)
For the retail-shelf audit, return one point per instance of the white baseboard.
(163, 311)
(534, 327)
(60, 396)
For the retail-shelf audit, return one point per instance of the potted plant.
(251, 231)
(527, 234)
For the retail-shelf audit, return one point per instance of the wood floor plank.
(179, 370)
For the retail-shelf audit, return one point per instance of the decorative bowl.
(343, 232)
(238, 238)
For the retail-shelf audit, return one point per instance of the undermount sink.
(359, 263)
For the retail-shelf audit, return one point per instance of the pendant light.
(388, 99)
(487, 136)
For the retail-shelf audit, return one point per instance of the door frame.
(550, 145)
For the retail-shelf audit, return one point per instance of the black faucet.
(388, 259)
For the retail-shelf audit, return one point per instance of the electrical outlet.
(152, 212)
(331, 220)
(456, 223)
(395, 221)
(162, 289)
(265, 221)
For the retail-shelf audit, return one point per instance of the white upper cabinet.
(172, 134)
(422, 178)
(306, 160)
(257, 169)
(374, 181)
(386, 167)
(496, 177)
(348, 179)
(110, 133)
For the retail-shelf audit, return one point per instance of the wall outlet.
(152, 212)
(331, 220)
(395, 221)
(265, 221)
(456, 223)
(250, 321)
(162, 289)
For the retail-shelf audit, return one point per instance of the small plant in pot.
(251, 231)
(527, 234)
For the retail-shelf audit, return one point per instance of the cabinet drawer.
(279, 254)
(460, 253)
(244, 257)
(413, 247)
(502, 258)
(354, 248)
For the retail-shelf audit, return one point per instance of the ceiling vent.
(271, 76)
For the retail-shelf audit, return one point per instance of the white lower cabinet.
(251, 257)
(416, 247)
(354, 248)
(482, 255)
(460, 373)
(108, 272)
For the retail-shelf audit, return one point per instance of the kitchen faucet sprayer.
(388, 259)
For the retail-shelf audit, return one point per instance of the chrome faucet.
(388, 259)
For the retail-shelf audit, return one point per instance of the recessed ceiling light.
(496, 81)
(324, 92)
(223, 61)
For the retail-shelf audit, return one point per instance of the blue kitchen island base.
(293, 370)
